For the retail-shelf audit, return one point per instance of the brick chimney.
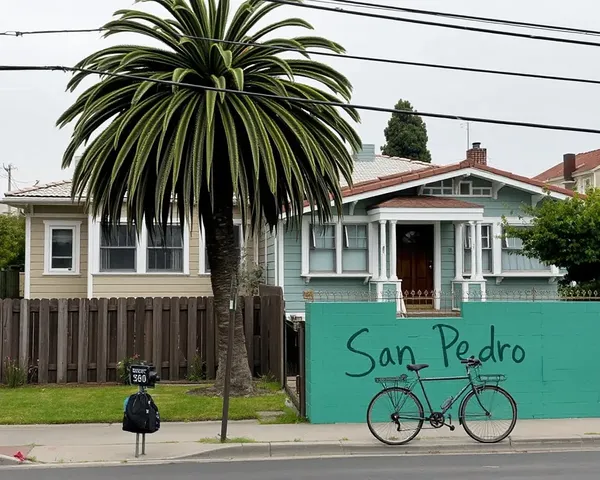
(569, 166)
(477, 155)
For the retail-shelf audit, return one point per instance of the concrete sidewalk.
(108, 443)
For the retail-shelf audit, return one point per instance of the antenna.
(468, 127)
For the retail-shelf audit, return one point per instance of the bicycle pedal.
(452, 427)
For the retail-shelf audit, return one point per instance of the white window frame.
(147, 249)
(100, 247)
(372, 251)
(468, 243)
(345, 246)
(141, 252)
(75, 227)
(237, 222)
(442, 191)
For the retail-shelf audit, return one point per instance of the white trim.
(24, 201)
(412, 215)
(459, 236)
(276, 257)
(382, 250)
(305, 241)
(186, 248)
(474, 246)
(478, 251)
(27, 287)
(280, 256)
(469, 171)
(496, 248)
(437, 263)
(339, 246)
(393, 251)
(60, 215)
(373, 250)
(90, 256)
(73, 225)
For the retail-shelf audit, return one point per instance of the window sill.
(140, 274)
(308, 276)
(61, 274)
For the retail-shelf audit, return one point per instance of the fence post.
(211, 346)
(157, 334)
(24, 334)
(62, 340)
(44, 339)
(175, 314)
(249, 330)
(192, 333)
(101, 363)
(83, 341)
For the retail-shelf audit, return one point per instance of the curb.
(6, 460)
(328, 449)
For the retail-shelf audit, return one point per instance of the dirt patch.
(260, 389)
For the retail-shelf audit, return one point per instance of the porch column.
(459, 241)
(473, 248)
(382, 250)
(478, 251)
(393, 251)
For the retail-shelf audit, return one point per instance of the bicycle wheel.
(491, 411)
(395, 416)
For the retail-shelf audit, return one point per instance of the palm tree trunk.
(224, 257)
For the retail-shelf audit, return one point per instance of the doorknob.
(430, 265)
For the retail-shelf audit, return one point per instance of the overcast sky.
(30, 103)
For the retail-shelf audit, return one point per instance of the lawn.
(104, 404)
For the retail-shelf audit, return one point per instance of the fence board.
(61, 341)
(210, 338)
(101, 362)
(81, 340)
(44, 341)
(24, 320)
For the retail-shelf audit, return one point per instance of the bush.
(196, 369)
(123, 369)
(14, 375)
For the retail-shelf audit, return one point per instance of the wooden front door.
(415, 259)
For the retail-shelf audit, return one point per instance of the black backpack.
(141, 414)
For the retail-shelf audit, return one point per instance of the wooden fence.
(81, 340)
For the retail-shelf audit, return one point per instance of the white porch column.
(473, 248)
(382, 250)
(393, 251)
(478, 251)
(459, 241)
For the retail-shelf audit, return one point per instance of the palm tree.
(159, 145)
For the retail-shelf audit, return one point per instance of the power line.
(437, 24)
(300, 100)
(360, 58)
(18, 33)
(471, 18)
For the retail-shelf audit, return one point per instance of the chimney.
(367, 153)
(477, 155)
(569, 166)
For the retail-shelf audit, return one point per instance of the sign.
(139, 375)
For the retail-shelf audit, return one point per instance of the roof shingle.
(425, 202)
(583, 163)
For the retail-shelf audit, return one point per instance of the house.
(576, 172)
(423, 229)
(68, 256)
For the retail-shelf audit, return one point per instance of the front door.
(415, 260)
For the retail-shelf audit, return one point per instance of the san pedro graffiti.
(453, 348)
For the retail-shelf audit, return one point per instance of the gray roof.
(364, 170)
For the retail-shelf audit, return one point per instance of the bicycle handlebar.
(471, 361)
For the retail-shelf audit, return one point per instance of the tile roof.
(425, 202)
(398, 179)
(61, 189)
(382, 165)
(583, 163)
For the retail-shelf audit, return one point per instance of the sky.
(31, 102)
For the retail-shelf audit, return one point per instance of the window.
(445, 187)
(117, 249)
(464, 188)
(355, 255)
(586, 184)
(512, 260)
(165, 251)
(237, 232)
(481, 191)
(486, 249)
(322, 256)
(61, 249)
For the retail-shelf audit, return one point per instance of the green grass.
(229, 440)
(104, 404)
(289, 416)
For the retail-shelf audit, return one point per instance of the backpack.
(141, 414)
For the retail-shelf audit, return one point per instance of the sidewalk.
(108, 443)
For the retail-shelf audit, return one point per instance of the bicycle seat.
(415, 367)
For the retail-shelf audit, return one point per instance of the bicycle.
(478, 386)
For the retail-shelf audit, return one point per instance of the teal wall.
(551, 366)
(270, 273)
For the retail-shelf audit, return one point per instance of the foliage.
(12, 240)
(197, 369)
(201, 149)
(406, 135)
(566, 234)
(14, 375)
(123, 368)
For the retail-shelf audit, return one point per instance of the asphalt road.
(574, 466)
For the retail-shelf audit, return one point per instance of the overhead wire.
(354, 57)
(300, 100)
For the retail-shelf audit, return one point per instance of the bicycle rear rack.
(394, 381)
(491, 377)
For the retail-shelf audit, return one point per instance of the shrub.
(123, 369)
(14, 375)
(196, 369)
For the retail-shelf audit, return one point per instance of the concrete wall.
(548, 350)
